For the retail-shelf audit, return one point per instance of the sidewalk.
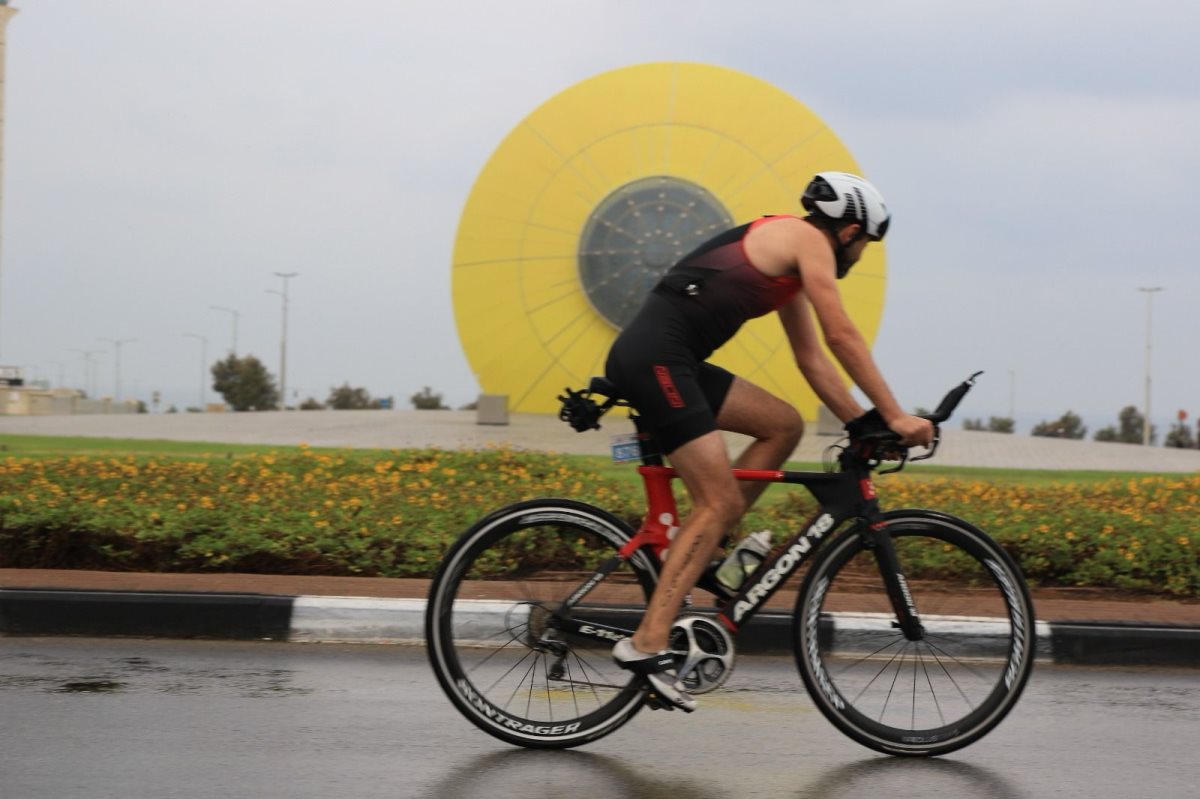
(1073, 626)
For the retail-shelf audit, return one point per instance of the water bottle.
(744, 559)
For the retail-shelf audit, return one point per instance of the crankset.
(703, 651)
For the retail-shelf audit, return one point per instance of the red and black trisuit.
(658, 360)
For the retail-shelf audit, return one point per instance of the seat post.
(651, 454)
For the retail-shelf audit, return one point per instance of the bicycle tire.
(489, 622)
(925, 697)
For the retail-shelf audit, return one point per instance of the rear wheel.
(493, 627)
(916, 697)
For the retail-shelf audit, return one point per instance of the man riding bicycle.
(782, 263)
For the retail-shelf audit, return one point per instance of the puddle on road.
(131, 675)
(90, 687)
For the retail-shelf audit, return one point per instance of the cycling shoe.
(659, 671)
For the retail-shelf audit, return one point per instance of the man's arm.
(814, 364)
(817, 270)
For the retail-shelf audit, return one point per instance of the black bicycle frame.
(845, 495)
(842, 496)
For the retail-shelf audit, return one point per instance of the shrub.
(350, 513)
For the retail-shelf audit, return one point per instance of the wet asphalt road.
(160, 719)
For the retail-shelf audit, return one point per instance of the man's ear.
(849, 233)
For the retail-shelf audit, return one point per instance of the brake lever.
(902, 461)
(937, 439)
(883, 446)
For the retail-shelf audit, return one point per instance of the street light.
(89, 373)
(61, 372)
(203, 367)
(233, 349)
(283, 339)
(117, 342)
(1150, 292)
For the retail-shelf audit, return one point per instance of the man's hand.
(913, 430)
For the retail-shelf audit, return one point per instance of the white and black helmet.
(842, 197)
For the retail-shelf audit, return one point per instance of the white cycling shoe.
(659, 671)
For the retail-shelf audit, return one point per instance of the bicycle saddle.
(604, 386)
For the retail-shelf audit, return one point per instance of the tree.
(1069, 425)
(245, 384)
(1001, 424)
(1180, 435)
(345, 398)
(1129, 428)
(995, 424)
(312, 404)
(426, 400)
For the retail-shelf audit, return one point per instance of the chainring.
(704, 653)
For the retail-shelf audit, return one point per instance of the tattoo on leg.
(685, 561)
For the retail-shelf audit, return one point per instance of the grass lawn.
(65, 446)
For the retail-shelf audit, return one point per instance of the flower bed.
(351, 513)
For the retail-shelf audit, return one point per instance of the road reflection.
(894, 777)
(529, 774)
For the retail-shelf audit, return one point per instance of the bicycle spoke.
(965, 667)
(520, 683)
(913, 722)
(899, 639)
(953, 681)
(888, 699)
(549, 703)
(932, 691)
(511, 669)
(497, 650)
(571, 684)
(876, 677)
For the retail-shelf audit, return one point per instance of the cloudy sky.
(1041, 158)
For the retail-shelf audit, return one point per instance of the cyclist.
(786, 264)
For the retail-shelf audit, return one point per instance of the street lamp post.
(283, 339)
(233, 311)
(1150, 292)
(61, 366)
(203, 367)
(89, 376)
(117, 342)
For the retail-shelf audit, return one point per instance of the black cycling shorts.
(677, 395)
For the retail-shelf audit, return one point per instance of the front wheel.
(965, 670)
(495, 632)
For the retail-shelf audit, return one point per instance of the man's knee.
(722, 505)
(786, 426)
(728, 508)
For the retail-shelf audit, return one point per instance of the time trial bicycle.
(913, 631)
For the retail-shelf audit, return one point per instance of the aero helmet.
(836, 197)
(842, 197)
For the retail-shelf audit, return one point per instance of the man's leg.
(717, 504)
(775, 425)
(718, 500)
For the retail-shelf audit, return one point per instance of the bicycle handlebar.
(892, 449)
(951, 400)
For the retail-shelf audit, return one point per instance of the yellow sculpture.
(599, 190)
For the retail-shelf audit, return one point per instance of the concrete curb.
(322, 619)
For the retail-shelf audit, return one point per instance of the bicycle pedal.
(654, 702)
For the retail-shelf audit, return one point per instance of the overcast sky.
(1042, 160)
